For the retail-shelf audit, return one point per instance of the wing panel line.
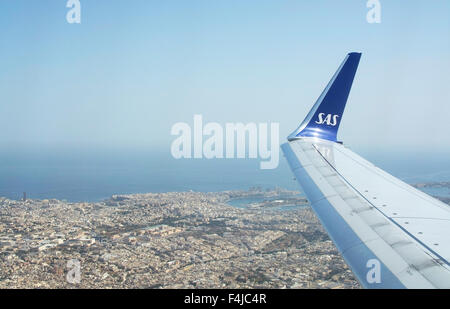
(387, 217)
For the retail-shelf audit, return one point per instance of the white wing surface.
(390, 234)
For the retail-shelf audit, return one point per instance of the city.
(169, 240)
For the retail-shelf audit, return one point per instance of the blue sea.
(94, 176)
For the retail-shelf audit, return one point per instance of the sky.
(131, 69)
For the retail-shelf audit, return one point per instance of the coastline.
(171, 240)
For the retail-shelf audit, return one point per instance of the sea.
(92, 176)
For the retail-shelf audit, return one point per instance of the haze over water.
(94, 176)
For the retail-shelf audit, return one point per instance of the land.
(436, 185)
(168, 240)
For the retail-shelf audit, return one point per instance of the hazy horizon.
(95, 176)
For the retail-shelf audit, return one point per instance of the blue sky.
(132, 69)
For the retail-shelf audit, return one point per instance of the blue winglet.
(324, 118)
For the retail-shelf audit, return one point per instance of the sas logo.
(329, 120)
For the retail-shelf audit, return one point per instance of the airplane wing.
(389, 233)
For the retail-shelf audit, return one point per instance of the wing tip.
(324, 118)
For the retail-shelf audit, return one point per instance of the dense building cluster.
(168, 240)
